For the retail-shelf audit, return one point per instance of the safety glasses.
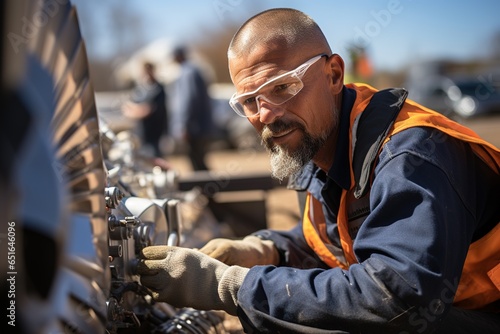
(276, 91)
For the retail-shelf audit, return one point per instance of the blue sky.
(396, 32)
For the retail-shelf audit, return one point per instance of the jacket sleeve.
(410, 249)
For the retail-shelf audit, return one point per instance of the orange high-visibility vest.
(480, 281)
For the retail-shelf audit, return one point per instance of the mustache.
(276, 127)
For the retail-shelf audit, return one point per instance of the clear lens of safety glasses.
(276, 91)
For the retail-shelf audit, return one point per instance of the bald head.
(284, 28)
(261, 57)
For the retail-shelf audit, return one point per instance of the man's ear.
(335, 65)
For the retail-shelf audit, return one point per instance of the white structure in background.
(159, 53)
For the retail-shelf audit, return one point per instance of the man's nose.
(268, 112)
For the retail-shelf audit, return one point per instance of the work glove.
(249, 252)
(185, 277)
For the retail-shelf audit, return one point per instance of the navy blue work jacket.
(430, 198)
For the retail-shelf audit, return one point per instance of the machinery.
(77, 217)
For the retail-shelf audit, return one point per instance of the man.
(400, 228)
(191, 110)
(148, 104)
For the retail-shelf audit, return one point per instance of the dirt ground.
(281, 204)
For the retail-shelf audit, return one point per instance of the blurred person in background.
(400, 229)
(191, 110)
(148, 105)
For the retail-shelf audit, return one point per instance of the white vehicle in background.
(456, 96)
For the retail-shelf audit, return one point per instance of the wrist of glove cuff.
(229, 285)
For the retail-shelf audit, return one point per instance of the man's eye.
(249, 100)
(280, 88)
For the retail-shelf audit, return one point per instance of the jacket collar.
(339, 171)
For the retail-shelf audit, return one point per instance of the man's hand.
(249, 252)
(184, 277)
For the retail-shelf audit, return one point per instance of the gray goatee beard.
(284, 164)
(283, 161)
